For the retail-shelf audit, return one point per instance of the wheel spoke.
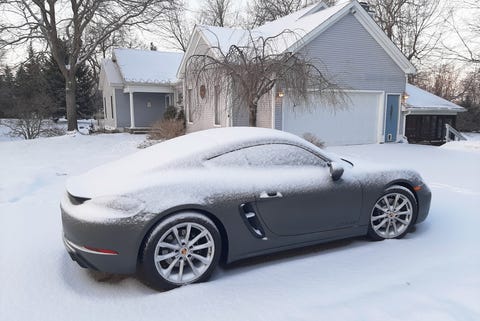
(388, 227)
(387, 202)
(395, 229)
(401, 221)
(201, 258)
(404, 213)
(159, 258)
(192, 266)
(189, 229)
(199, 236)
(169, 246)
(395, 202)
(375, 218)
(170, 267)
(175, 232)
(383, 209)
(399, 207)
(377, 227)
(201, 246)
(180, 270)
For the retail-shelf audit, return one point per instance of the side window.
(281, 155)
(268, 155)
(232, 159)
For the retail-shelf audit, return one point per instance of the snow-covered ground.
(432, 274)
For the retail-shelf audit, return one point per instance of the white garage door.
(359, 122)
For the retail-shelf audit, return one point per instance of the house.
(346, 44)
(137, 86)
(426, 115)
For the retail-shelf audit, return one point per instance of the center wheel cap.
(184, 251)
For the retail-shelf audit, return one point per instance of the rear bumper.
(83, 234)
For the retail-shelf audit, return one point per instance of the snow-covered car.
(171, 212)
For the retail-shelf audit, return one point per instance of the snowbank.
(464, 145)
(432, 274)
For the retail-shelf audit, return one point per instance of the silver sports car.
(171, 212)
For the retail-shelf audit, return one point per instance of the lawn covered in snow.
(432, 274)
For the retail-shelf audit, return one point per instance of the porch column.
(132, 111)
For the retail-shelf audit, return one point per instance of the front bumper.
(424, 197)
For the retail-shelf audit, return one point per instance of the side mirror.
(336, 170)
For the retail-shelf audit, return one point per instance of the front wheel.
(185, 248)
(393, 214)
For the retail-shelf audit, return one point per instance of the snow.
(301, 23)
(423, 100)
(432, 274)
(468, 145)
(147, 66)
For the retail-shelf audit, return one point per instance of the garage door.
(358, 122)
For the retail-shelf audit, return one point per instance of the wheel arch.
(408, 185)
(218, 223)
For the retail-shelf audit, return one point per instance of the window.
(190, 105)
(111, 105)
(105, 107)
(217, 105)
(168, 100)
(269, 155)
(149, 104)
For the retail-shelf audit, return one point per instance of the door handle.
(271, 195)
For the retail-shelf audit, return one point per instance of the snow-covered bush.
(309, 137)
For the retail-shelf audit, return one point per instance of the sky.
(463, 14)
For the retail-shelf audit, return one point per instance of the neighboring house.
(347, 44)
(137, 86)
(426, 116)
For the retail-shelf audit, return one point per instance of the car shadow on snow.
(252, 263)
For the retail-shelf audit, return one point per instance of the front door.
(391, 118)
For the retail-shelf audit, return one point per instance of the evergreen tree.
(7, 81)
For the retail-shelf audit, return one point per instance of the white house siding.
(109, 97)
(202, 109)
(350, 56)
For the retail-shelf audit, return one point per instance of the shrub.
(166, 129)
(309, 137)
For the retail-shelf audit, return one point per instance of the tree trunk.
(71, 101)
(252, 120)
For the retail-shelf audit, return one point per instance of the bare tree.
(467, 50)
(263, 11)
(175, 28)
(251, 70)
(215, 12)
(415, 26)
(443, 80)
(74, 21)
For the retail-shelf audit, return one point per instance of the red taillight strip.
(101, 251)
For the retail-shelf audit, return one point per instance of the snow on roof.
(111, 72)
(300, 23)
(147, 66)
(421, 99)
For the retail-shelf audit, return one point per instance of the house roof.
(420, 100)
(146, 66)
(111, 72)
(305, 24)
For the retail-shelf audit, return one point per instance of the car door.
(295, 194)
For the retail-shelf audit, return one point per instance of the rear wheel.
(185, 248)
(393, 214)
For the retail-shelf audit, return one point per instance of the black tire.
(151, 271)
(377, 234)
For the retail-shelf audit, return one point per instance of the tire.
(182, 249)
(395, 218)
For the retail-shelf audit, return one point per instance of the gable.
(349, 54)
